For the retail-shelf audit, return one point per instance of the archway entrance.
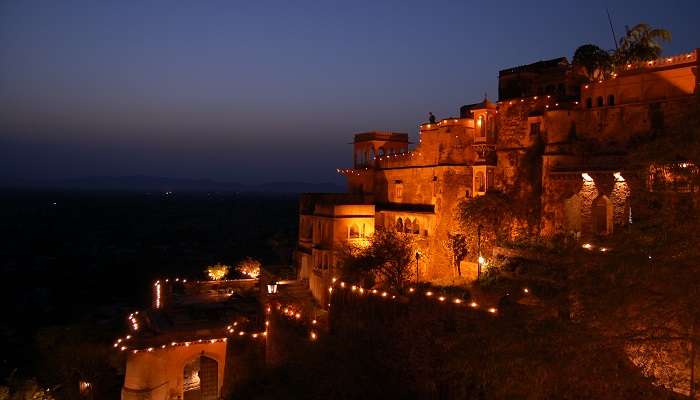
(200, 380)
(602, 216)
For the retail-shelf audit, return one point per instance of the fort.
(554, 141)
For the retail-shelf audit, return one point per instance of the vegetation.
(486, 221)
(388, 256)
(641, 43)
(249, 267)
(594, 62)
(423, 349)
(217, 271)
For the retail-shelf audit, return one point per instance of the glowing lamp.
(492, 310)
(272, 288)
(618, 177)
(586, 177)
(473, 304)
(587, 246)
(481, 260)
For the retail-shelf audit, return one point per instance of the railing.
(661, 62)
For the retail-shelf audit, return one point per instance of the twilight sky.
(262, 91)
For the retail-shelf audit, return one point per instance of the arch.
(479, 184)
(611, 100)
(416, 227)
(602, 214)
(380, 152)
(399, 225)
(491, 125)
(371, 154)
(600, 102)
(408, 227)
(201, 379)
(481, 126)
(353, 231)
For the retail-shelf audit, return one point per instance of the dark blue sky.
(264, 91)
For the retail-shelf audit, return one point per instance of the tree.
(388, 254)
(641, 43)
(594, 62)
(217, 271)
(457, 245)
(486, 221)
(249, 267)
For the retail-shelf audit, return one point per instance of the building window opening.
(589, 102)
(600, 101)
(408, 227)
(353, 232)
(479, 182)
(416, 227)
(399, 225)
(611, 100)
(398, 191)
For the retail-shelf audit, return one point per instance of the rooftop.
(537, 67)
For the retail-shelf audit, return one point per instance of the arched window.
(589, 102)
(399, 225)
(611, 100)
(380, 152)
(371, 155)
(600, 101)
(479, 182)
(481, 126)
(491, 125)
(408, 227)
(353, 231)
(416, 227)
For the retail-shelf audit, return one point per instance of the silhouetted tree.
(641, 43)
(594, 62)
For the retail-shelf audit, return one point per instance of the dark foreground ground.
(73, 263)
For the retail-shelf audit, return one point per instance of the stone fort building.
(552, 135)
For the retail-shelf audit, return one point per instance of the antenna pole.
(611, 28)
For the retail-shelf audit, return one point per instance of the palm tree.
(641, 43)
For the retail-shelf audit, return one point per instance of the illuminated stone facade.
(551, 135)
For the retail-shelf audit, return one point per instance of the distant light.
(587, 246)
(618, 177)
(586, 177)
(481, 260)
